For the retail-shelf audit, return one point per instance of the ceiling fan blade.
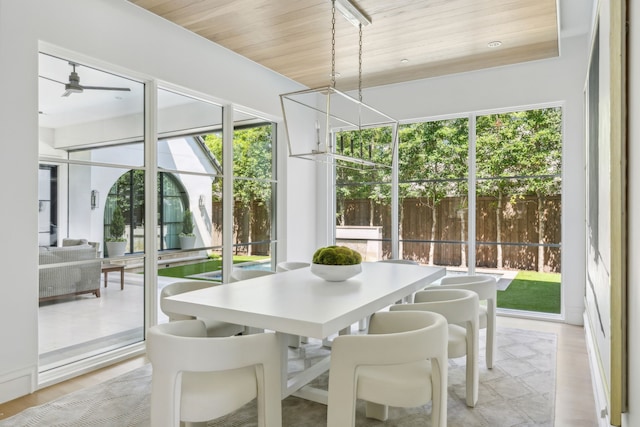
(70, 91)
(106, 88)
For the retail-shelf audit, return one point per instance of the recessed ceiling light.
(495, 43)
(404, 60)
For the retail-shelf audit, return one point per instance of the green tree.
(356, 181)
(253, 173)
(213, 141)
(433, 166)
(520, 154)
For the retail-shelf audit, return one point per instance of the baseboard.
(18, 383)
(599, 391)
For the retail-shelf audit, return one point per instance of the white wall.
(123, 38)
(559, 80)
(632, 417)
(19, 175)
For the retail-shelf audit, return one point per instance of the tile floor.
(79, 327)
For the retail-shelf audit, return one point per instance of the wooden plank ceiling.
(435, 37)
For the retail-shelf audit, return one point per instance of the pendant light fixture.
(335, 114)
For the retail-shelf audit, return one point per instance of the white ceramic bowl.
(336, 273)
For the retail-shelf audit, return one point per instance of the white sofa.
(69, 279)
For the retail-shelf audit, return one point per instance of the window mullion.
(471, 215)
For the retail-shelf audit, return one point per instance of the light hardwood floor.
(575, 405)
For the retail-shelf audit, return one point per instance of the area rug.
(518, 391)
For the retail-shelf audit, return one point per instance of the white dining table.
(296, 302)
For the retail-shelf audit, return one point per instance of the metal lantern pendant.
(334, 115)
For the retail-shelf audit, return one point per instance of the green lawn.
(203, 267)
(532, 291)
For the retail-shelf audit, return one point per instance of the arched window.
(128, 194)
(172, 202)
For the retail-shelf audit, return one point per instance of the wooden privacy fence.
(251, 226)
(529, 230)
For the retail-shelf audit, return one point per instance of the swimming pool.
(217, 275)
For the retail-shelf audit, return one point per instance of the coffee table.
(107, 267)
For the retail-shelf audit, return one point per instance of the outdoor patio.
(78, 327)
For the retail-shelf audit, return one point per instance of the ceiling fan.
(74, 86)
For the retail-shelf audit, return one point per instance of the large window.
(433, 199)
(477, 194)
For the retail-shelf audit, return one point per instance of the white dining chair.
(459, 307)
(239, 274)
(290, 265)
(400, 261)
(402, 361)
(215, 328)
(294, 341)
(196, 378)
(362, 325)
(486, 288)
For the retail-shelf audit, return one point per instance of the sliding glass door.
(518, 206)
(91, 145)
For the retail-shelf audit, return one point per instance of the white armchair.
(459, 307)
(215, 328)
(237, 275)
(290, 265)
(240, 274)
(486, 288)
(402, 361)
(400, 261)
(197, 379)
(294, 340)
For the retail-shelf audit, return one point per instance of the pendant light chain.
(360, 63)
(360, 88)
(347, 125)
(333, 43)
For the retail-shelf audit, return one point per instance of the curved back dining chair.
(408, 298)
(239, 274)
(400, 261)
(459, 307)
(290, 265)
(486, 288)
(294, 341)
(402, 361)
(215, 328)
(197, 378)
